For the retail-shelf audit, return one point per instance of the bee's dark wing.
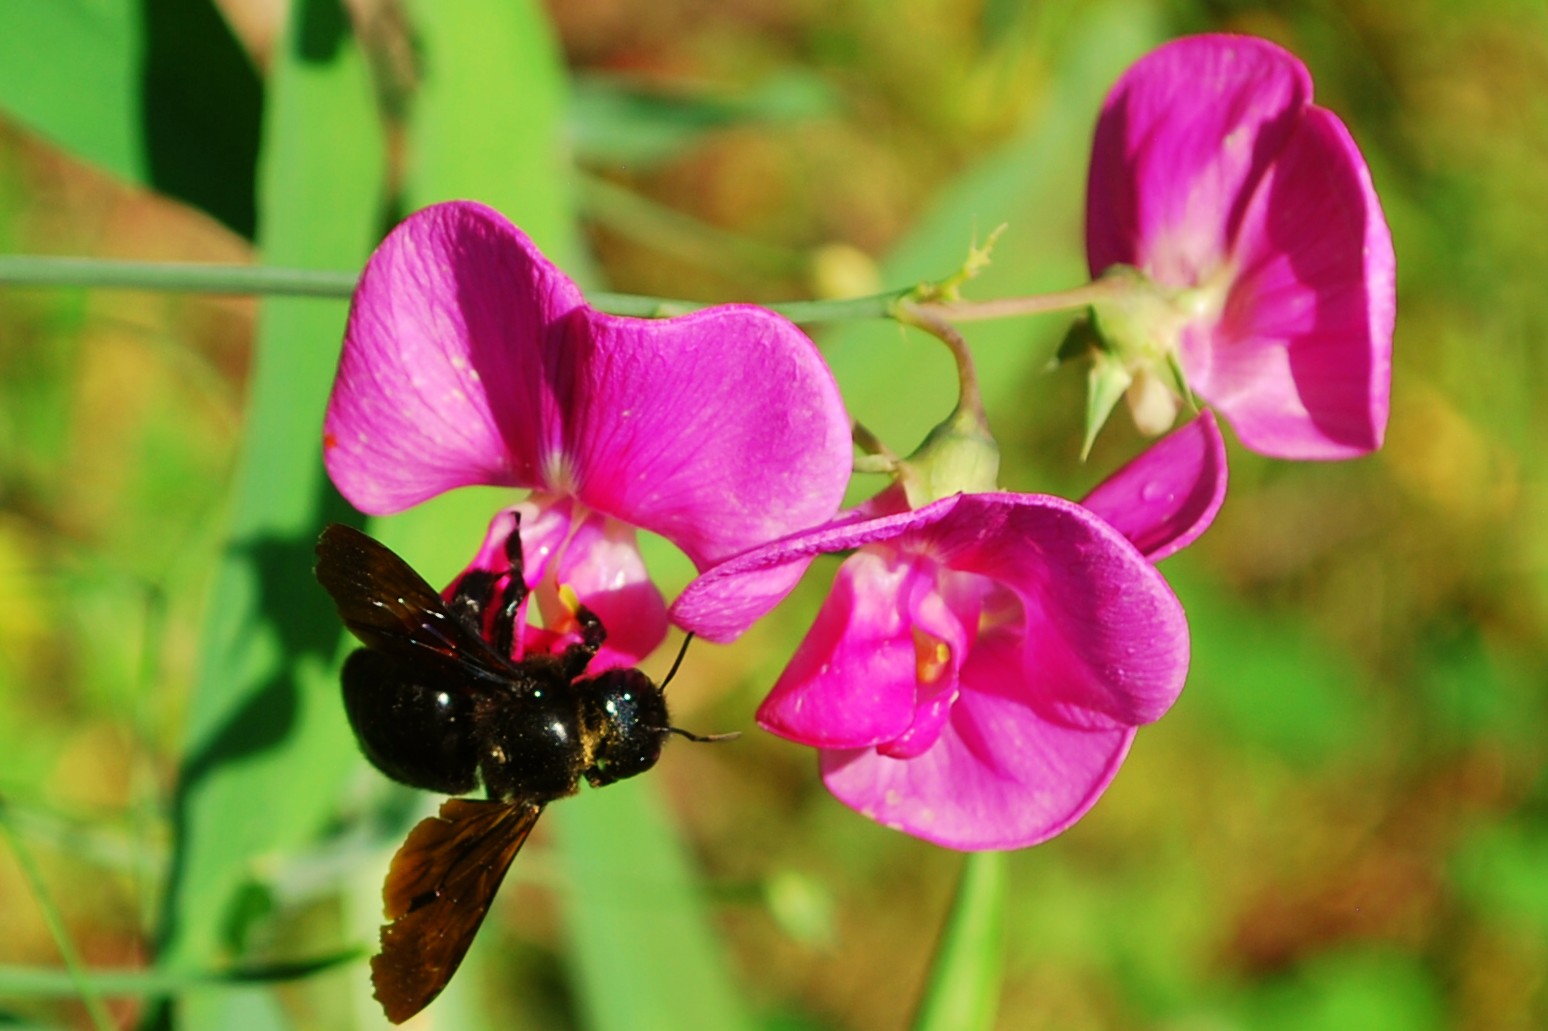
(391, 608)
(438, 889)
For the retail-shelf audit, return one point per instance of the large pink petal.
(1102, 624)
(998, 777)
(1106, 640)
(442, 379)
(851, 682)
(1170, 493)
(719, 430)
(1183, 139)
(1301, 362)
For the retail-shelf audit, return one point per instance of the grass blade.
(267, 747)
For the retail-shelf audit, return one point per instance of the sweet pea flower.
(977, 673)
(470, 359)
(1248, 213)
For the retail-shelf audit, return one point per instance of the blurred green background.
(1343, 823)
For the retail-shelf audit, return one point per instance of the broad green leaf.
(644, 955)
(158, 92)
(54, 54)
(487, 121)
(267, 746)
(488, 124)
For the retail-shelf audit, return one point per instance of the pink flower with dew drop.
(1250, 213)
(977, 673)
(470, 359)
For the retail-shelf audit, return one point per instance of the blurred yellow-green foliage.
(1343, 823)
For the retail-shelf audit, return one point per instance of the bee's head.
(623, 717)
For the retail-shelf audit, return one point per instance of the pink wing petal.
(722, 603)
(998, 777)
(1170, 493)
(1183, 139)
(719, 430)
(945, 612)
(851, 682)
(1301, 362)
(1106, 640)
(440, 383)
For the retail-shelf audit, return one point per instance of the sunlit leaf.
(158, 92)
(267, 746)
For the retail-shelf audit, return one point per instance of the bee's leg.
(592, 634)
(471, 596)
(512, 594)
(488, 601)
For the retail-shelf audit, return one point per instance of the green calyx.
(958, 457)
(1133, 338)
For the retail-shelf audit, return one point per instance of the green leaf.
(491, 110)
(644, 955)
(158, 92)
(54, 54)
(267, 747)
(487, 122)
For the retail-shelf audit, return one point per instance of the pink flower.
(470, 359)
(979, 669)
(1216, 177)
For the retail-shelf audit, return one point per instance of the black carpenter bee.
(437, 703)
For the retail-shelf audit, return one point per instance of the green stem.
(1036, 304)
(963, 990)
(970, 399)
(191, 277)
(873, 306)
(81, 985)
(178, 277)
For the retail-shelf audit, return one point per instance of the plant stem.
(197, 278)
(192, 277)
(970, 399)
(963, 990)
(178, 277)
(1036, 304)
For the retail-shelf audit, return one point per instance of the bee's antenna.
(701, 738)
(678, 661)
(706, 739)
